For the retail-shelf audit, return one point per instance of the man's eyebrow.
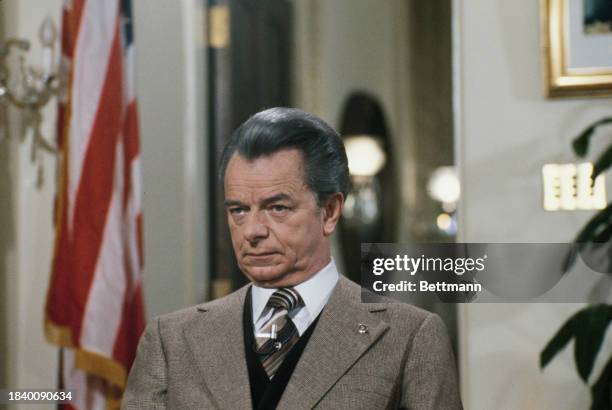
(266, 201)
(232, 202)
(274, 198)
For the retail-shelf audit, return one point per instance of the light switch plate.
(569, 187)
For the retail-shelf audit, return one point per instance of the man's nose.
(256, 228)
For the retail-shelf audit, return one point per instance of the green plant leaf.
(603, 163)
(581, 143)
(595, 229)
(560, 339)
(590, 230)
(601, 392)
(589, 333)
(604, 235)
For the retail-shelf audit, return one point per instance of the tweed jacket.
(360, 356)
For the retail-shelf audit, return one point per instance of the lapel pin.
(363, 329)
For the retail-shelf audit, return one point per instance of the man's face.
(279, 234)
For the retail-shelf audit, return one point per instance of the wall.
(506, 130)
(430, 114)
(6, 234)
(171, 90)
(398, 51)
(333, 57)
(27, 237)
(344, 46)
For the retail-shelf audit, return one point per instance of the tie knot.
(285, 298)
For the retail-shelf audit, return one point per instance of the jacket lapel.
(216, 339)
(335, 345)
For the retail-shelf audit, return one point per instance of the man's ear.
(332, 210)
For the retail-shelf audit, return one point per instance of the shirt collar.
(315, 291)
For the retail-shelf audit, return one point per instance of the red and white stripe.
(95, 290)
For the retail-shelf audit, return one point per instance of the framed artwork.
(577, 47)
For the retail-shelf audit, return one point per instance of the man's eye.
(236, 211)
(279, 208)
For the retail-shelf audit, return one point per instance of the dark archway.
(370, 213)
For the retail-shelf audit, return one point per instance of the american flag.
(94, 306)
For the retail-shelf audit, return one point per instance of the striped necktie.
(278, 334)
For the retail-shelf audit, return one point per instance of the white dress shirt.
(315, 293)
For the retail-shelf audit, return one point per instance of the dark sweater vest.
(266, 393)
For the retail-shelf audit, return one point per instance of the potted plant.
(588, 326)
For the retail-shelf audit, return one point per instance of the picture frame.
(577, 47)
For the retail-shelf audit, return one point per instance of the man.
(298, 336)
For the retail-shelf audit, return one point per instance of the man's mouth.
(260, 257)
(260, 254)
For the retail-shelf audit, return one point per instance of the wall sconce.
(366, 158)
(29, 89)
(444, 186)
(365, 155)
